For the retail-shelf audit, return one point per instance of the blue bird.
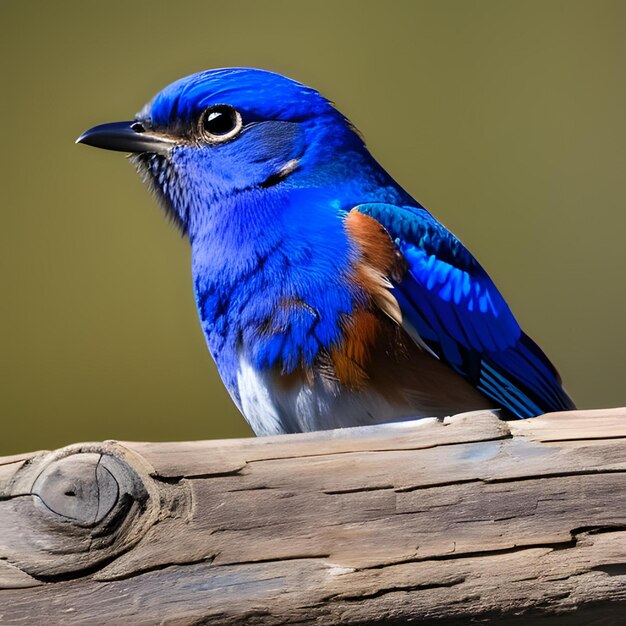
(327, 295)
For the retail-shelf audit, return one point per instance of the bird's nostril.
(138, 127)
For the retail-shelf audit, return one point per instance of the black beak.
(126, 137)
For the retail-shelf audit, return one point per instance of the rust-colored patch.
(379, 263)
(378, 250)
(351, 358)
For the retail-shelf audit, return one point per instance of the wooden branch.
(471, 519)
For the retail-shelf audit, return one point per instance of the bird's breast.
(307, 298)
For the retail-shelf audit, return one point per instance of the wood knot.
(78, 508)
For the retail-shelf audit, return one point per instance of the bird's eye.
(219, 123)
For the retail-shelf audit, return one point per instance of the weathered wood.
(469, 519)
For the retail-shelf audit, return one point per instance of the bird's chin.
(160, 174)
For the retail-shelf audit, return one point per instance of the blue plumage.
(459, 312)
(327, 295)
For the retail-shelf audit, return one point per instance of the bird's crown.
(256, 94)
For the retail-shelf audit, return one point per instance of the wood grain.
(440, 522)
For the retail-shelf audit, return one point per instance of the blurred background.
(506, 119)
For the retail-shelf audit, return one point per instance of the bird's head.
(213, 135)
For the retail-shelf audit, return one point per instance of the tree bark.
(463, 521)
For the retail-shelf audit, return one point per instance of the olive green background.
(507, 119)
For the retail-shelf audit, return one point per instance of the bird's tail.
(523, 380)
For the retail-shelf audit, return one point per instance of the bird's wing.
(448, 300)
